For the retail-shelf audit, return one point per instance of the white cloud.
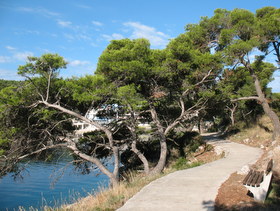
(114, 36)
(69, 37)
(78, 63)
(5, 59)
(40, 10)
(83, 37)
(22, 56)
(64, 23)
(97, 23)
(54, 35)
(9, 75)
(84, 6)
(16, 56)
(26, 32)
(10, 48)
(77, 36)
(139, 30)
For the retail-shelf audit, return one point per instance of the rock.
(200, 148)
(244, 170)
(262, 146)
(218, 150)
(246, 141)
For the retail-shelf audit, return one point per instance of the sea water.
(47, 184)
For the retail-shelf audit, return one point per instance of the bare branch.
(79, 116)
(49, 84)
(41, 150)
(38, 92)
(64, 120)
(247, 98)
(84, 156)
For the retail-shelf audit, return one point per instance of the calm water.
(36, 189)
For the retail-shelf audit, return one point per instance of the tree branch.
(79, 116)
(247, 98)
(49, 84)
(41, 150)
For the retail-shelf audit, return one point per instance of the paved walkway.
(193, 189)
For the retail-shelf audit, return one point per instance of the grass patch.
(182, 163)
(113, 198)
(273, 198)
(257, 135)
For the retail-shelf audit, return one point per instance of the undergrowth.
(182, 163)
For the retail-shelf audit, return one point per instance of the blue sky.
(80, 30)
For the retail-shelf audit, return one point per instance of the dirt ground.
(233, 195)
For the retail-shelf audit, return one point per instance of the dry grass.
(113, 198)
(258, 136)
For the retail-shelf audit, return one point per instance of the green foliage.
(8, 83)
(275, 104)
(184, 142)
(127, 95)
(125, 61)
(44, 65)
(87, 89)
(273, 198)
(10, 96)
(182, 163)
(268, 26)
(243, 22)
(6, 135)
(239, 49)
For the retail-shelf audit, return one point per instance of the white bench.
(257, 182)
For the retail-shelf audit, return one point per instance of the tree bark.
(113, 178)
(141, 157)
(163, 145)
(268, 111)
(232, 111)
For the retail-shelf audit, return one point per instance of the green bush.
(182, 163)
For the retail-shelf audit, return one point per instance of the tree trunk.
(268, 111)
(141, 157)
(116, 171)
(113, 178)
(163, 146)
(134, 148)
(232, 111)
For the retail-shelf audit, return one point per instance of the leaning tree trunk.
(268, 111)
(114, 180)
(141, 157)
(163, 145)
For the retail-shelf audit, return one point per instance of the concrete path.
(193, 189)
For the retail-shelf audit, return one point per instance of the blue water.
(36, 188)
